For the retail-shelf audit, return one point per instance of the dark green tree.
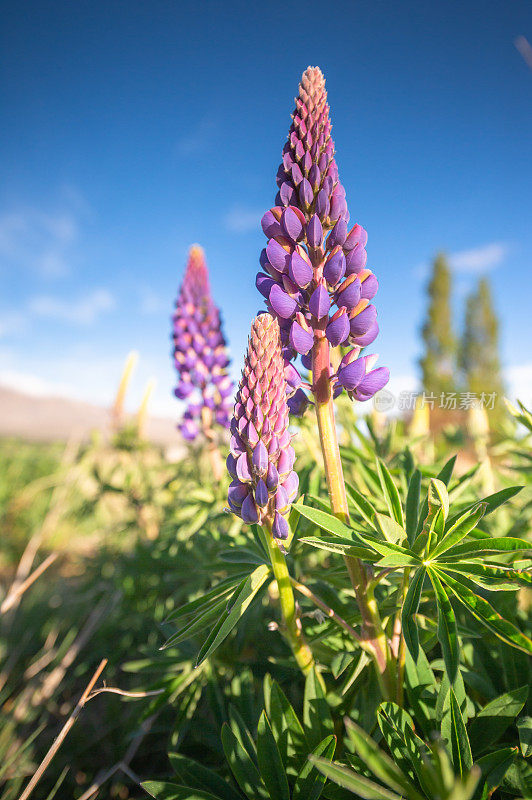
(438, 364)
(479, 347)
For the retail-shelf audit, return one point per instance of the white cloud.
(38, 241)
(243, 220)
(80, 312)
(479, 259)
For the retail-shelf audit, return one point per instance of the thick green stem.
(373, 632)
(292, 625)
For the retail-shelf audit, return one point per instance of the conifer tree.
(479, 347)
(438, 361)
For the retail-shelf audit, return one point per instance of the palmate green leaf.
(389, 528)
(410, 607)
(412, 506)
(162, 790)
(335, 544)
(348, 779)
(483, 547)
(323, 520)
(492, 720)
(390, 492)
(316, 712)
(495, 577)
(460, 747)
(493, 767)
(380, 764)
(192, 773)
(447, 634)
(492, 501)
(487, 615)
(459, 530)
(243, 598)
(198, 605)
(270, 762)
(246, 773)
(363, 505)
(310, 781)
(388, 548)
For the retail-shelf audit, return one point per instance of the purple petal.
(249, 511)
(363, 321)
(231, 465)
(314, 232)
(350, 376)
(281, 499)
(369, 287)
(369, 337)
(277, 255)
(291, 486)
(259, 458)
(281, 302)
(337, 330)
(356, 234)
(348, 294)
(306, 195)
(272, 476)
(242, 469)
(334, 268)
(320, 302)
(356, 259)
(261, 494)
(338, 235)
(237, 493)
(298, 403)
(264, 284)
(286, 193)
(300, 270)
(291, 224)
(270, 225)
(322, 204)
(300, 339)
(280, 527)
(372, 383)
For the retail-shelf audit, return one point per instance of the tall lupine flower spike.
(314, 277)
(200, 353)
(261, 459)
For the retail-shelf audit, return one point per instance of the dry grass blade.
(17, 591)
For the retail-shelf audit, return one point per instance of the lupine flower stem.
(292, 624)
(372, 626)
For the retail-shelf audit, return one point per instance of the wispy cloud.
(242, 220)
(84, 311)
(479, 259)
(38, 241)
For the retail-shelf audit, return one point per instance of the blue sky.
(132, 129)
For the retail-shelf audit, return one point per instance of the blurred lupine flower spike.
(313, 262)
(261, 459)
(200, 352)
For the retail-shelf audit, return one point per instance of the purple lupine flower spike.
(314, 277)
(200, 352)
(261, 459)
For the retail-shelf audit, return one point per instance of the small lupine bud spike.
(200, 352)
(262, 468)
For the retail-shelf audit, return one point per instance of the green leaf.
(316, 711)
(363, 506)
(324, 521)
(310, 781)
(199, 605)
(356, 783)
(494, 767)
(493, 501)
(459, 530)
(287, 729)
(412, 506)
(173, 791)
(380, 764)
(446, 472)
(492, 720)
(391, 493)
(246, 773)
(486, 614)
(393, 722)
(410, 607)
(270, 761)
(524, 728)
(460, 747)
(191, 773)
(492, 576)
(243, 598)
(481, 547)
(198, 623)
(336, 545)
(447, 634)
(389, 528)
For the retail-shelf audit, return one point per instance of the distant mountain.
(50, 419)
